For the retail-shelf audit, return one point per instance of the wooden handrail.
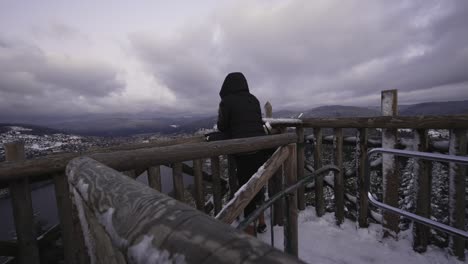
(156, 227)
(143, 158)
(430, 122)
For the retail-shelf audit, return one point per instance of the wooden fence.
(420, 125)
(128, 160)
(17, 174)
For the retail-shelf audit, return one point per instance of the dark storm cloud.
(33, 83)
(308, 53)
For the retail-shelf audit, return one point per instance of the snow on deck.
(322, 242)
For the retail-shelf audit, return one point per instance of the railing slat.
(245, 194)
(233, 182)
(363, 205)
(300, 166)
(154, 177)
(20, 191)
(199, 194)
(457, 174)
(423, 197)
(338, 179)
(319, 197)
(178, 180)
(64, 206)
(291, 244)
(215, 172)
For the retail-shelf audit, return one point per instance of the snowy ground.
(322, 242)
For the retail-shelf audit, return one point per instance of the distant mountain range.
(124, 125)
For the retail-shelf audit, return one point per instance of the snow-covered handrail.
(126, 221)
(429, 122)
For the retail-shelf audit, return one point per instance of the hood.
(235, 82)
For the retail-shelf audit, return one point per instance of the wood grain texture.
(178, 181)
(20, 192)
(423, 179)
(291, 244)
(216, 174)
(338, 179)
(134, 214)
(199, 191)
(319, 197)
(457, 174)
(363, 204)
(154, 177)
(248, 191)
(300, 166)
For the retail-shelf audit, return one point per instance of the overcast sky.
(74, 57)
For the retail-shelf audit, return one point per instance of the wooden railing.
(131, 162)
(129, 222)
(420, 125)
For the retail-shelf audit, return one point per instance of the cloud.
(309, 53)
(32, 82)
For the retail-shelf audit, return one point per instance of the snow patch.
(145, 253)
(83, 188)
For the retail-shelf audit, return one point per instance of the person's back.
(239, 111)
(240, 116)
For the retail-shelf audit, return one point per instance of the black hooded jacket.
(239, 113)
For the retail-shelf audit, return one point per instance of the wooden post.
(198, 174)
(300, 166)
(291, 228)
(390, 173)
(154, 178)
(423, 179)
(215, 172)
(178, 181)
(457, 175)
(233, 183)
(276, 182)
(338, 179)
(65, 211)
(20, 192)
(319, 198)
(363, 205)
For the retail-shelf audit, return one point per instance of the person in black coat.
(240, 116)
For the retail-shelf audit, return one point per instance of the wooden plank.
(457, 174)
(423, 179)
(363, 205)
(233, 183)
(278, 207)
(291, 227)
(20, 191)
(178, 180)
(199, 194)
(300, 166)
(319, 197)
(415, 122)
(390, 172)
(159, 223)
(143, 158)
(338, 179)
(242, 197)
(64, 206)
(154, 178)
(216, 174)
